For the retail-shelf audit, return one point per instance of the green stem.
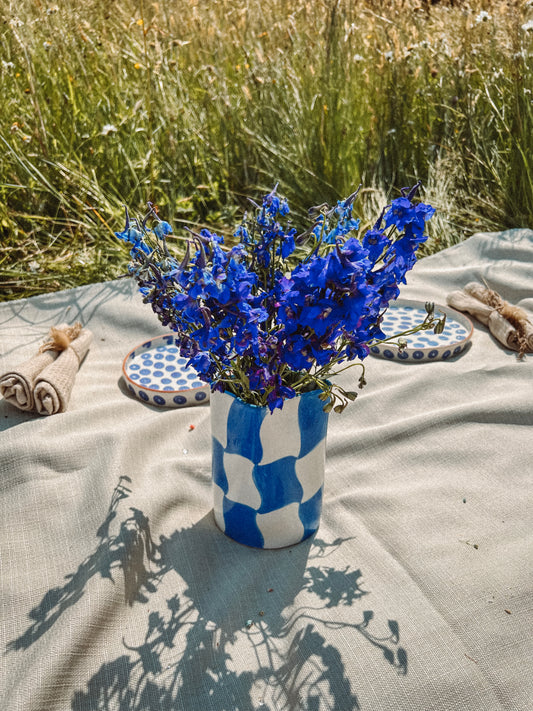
(425, 326)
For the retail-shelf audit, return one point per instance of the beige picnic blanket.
(119, 593)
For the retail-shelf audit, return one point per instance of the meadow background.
(196, 105)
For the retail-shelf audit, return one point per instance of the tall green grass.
(195, 105)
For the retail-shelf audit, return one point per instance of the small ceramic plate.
(155, 373)
(424, 345)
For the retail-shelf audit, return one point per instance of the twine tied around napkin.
(61, 337)
(509, 324)
(45, 381)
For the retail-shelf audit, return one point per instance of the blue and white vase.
(268, 469)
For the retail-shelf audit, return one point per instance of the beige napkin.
(17, 385)
(54, 383)
(45, 381)
(509, 324)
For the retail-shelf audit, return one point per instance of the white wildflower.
(483, 17)
(108, 128)
(528, 26)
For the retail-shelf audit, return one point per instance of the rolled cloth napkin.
(17, 385)
(509, 324)
(54, 383)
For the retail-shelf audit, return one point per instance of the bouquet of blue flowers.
(278, 312)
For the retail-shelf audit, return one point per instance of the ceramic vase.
(268, 469)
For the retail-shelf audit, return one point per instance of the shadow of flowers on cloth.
(260, 636)
(125, 550)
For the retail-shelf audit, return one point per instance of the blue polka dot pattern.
(423, 345)
(155, 373)
(268, 469)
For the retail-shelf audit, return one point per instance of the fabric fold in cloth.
(17, 385)
(54, 384)
(509, 324)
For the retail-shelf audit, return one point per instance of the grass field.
(196, 104)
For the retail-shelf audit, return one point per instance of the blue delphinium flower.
(162, 229)
(276, 313)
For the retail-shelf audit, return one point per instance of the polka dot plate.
(156, 374)
(425, 345)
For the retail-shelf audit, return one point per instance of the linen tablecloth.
(117, 591)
